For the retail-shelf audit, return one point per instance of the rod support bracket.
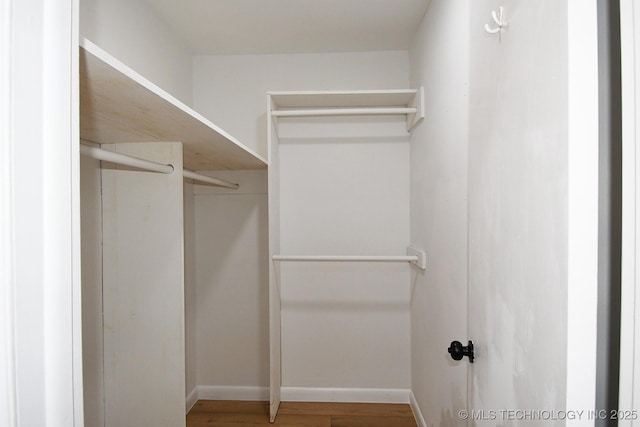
(421, 255)
(418, 103)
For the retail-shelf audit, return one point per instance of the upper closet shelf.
(409, 102)
(119, 105)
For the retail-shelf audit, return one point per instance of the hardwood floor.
(218, 413)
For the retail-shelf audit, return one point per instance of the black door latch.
(458, 351)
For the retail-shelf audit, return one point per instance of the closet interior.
(269, 212)
(165, 229)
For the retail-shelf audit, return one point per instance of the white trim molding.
(583, 165)
(8, 408)
(300, 394)
(191, 399)
(350, 395)
(417, 412)
(44, 197)
(630, 302)
(210, 392)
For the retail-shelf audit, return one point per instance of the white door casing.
(7, 283)
(583, 172)
(630, 315)
(40, 214)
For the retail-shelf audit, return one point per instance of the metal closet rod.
(362, 258)
(123, 159)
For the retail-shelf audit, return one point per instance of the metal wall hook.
(499, 20)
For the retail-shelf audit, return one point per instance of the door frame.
(40, 215)
(583, 205)
(7, 312)
(630, 301)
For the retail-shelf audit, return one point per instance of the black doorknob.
(458, 351)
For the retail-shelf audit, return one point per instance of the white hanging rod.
(344, 112)
(123, 159)
(362, 258)
(213, 181)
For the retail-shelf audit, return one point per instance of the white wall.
(232, 302)
(518, 207)
(132, 32)
(344, 190)
(439, 146)
(531, 283)
(231, 289)
(231, 89)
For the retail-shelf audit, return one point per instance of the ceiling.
(291, 26)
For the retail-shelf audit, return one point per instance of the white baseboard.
(192, 398)
(362, 395)
(209, 392)
(308, 394)
(417, 413)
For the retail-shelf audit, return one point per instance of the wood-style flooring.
(218, 413)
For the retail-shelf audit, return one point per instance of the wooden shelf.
(350, 103)
(119, 105)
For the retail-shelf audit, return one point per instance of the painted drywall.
(92, 332)
(290, 26)
(518, 229)
(231, 288)
(439, 147)
(344, 190)
(132, 32)
(231, 89)
(518, 208)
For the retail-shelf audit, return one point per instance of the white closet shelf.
(359, 102)
(119, 105)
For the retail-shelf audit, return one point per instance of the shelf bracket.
(418, 103)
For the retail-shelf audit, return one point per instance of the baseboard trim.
(361, 395)
(307, 394)
(209, 392)
(192, 398)
(417, 413)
